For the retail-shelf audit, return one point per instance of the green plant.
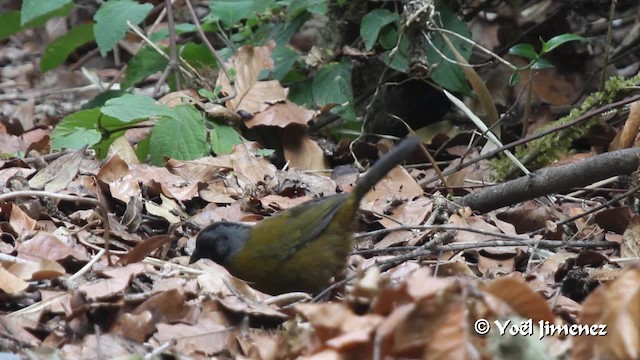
(536, 59)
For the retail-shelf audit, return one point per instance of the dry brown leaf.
(630, 247)
(518, 295)
(413, 212)
(125, 151)
(628, 133)
(44, 269)
(20, 221)
(250, 169)
(616, 305)
(11, 284)
(48, 246)
(205, 169)
(253, 95)
(306, 156)
(449, 340)
(281, 114)
(59, 173)
(396, 185)
(206, 337)
(144, 249)
(122, 184)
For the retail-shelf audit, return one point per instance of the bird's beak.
(195, 256)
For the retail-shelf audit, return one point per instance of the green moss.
(549, 148)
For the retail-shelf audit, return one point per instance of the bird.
(299, 249)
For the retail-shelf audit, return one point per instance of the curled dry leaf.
(617, 305)
(122, 184)
(10, 283)
(44, 269)
(516, 293)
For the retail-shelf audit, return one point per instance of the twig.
(584, 117)
(551, 180)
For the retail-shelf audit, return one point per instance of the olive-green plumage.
(299, 249)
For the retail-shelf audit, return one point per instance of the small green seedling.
(537, 62)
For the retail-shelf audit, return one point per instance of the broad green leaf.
(399, 60)
(146, 62)
(81, 128)
(10, 21)
(142, 149)
(514, 79)
(101, 98)
(230, 12)
(301, 93)
(10, 24)
(111, 21)
(332, 84)
(373, 22)
(223, 138)
(179, 136)
(33, 9)
(524, 50)
(542, 64)
(198, 55)
(297, 7)
(446, 73)
(556, 41)
(164, 32)
(284, 57)
(388, 37)
(57, 52)
(132, 107)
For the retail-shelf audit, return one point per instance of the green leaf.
(10, 21)
(373, 22)
(81, 128)
(33, 9)
(144, 63)
(132, 107)
(524, 50)
(284, 57)
(301, 93)
(514, 79)
(164, 32)
(332, 84)
(142, 149)
(101, 98)
(297, 7)
(179, 136)
(447, 74)
(57, 52)
(10, 24)
(399, 60)
(556, 41)
(224, 137)
(388, 37)
(111, 21)
(230, 12)
(198, 55)
(542, 64)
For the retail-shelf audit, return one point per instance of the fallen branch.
(553, 180)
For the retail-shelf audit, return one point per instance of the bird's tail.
(387, 162)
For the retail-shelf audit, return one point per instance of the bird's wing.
(295, 228)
